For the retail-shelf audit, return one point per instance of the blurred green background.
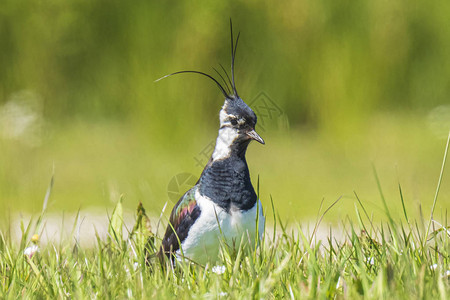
(347, 84)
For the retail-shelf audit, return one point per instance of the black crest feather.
(230, 93)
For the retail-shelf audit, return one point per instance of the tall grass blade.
(438, 186)
(403, 203)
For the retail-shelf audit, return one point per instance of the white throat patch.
(224, 141)
(225, 138)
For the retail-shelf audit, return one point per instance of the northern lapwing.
(223, 205)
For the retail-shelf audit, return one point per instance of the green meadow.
(363, 260)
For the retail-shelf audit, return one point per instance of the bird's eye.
(233, 122)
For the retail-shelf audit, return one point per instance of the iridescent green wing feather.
(183, 216)
(183, 208)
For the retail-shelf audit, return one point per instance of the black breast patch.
(227, 183)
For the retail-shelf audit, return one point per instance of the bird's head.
(237, 118)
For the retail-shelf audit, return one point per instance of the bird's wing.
(183, 216)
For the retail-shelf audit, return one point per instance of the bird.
(222, 206)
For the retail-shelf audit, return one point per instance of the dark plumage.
(227, 183)
(183, 215)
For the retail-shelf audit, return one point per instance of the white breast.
(215, 225)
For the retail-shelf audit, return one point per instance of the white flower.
(219, 269)
(433, 267)
(370, 260)
(30, 251)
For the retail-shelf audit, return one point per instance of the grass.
(407, 259)
(391, 260)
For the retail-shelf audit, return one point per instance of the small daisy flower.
(219, 270)
(30, 251)
(370, 260)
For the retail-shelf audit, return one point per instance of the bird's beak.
(254, 136)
